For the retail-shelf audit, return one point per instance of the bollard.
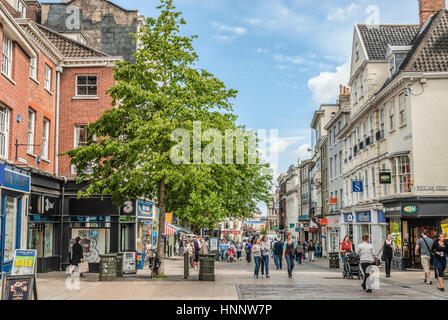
(186, 265)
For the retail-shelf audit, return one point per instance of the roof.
(68, 47)
(67, 3)
(429, 52)
(377, 38)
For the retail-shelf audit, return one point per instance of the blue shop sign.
(357, 186)
(348, 217)
(14, 180)
(145, 209)
(363, 216)
(381, 217)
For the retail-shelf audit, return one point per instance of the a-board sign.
(20, 288)
(24, 262)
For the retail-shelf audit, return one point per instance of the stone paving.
(234, 281)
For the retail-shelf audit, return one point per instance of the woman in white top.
(265, 252)
(367, 257)
(256, 252)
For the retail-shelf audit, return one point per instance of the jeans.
(299, 258)
(222, 253)
(388, 262)
(365, 283)
(290, 264)
(248, 257)
(262, 266)
(238, 254)
(344, 262)
(266, 264)
(257, 265)
(278, 261)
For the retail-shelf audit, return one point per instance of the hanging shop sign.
(348, 217)
(333, 201)
(363, 217)
(410, 209)
(385, 177)
(24, 262)
(145, 209)
(276, 206)
(357, 186)
(291, 226)
(324, 222)
(128, 208)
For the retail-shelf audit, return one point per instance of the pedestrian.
(248, 252)
(239, 249)
(423, 248)
(311, 251)
(265, 253)
(278, 253)
(77, 256)
(299, 253)
(231, 248)
(204, 247)
(222, 250)
(197, 251)
(440, 251)
(177, 248)
(189, 248)
(289, 252)
(181, 247)
(367, 258)
(318, 250)
(345, 247)
(388, 248)
(256, 252)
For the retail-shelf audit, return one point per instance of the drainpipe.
(62, 223)
(59, 71)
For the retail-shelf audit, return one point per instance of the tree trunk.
(162, 212)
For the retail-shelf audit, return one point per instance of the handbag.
(377, 262)
(83, 267)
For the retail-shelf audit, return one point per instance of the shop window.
(10, 228)
(48, 240)
(395, 229)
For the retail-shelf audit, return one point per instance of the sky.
(285, 57)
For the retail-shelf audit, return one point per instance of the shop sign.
(381, 217)
(50, 205)
(16, 181)
(431, 188)
(333, 201)
(128, 207)
(444, 227)
(363, 217)
(385, 178)
(410, 209)
(324, 222)
(275, 227)
(127, 219)
(276, 206)
(357, 186)
(24, 262)
(145, 209)
(291, 226)
(349, 218)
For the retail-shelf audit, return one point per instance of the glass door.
(10, 229)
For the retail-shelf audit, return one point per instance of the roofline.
(316, 113)
(336, 117)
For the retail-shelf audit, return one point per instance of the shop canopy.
(171, 229)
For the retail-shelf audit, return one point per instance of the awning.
(171, 229)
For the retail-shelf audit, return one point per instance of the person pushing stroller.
(345, 247)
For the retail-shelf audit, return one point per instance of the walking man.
(423, 248)
(222, 249)
(278, 253)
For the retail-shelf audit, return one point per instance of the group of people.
(230, 251)
(194, 246)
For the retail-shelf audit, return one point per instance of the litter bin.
(334, 260)
(207, 267)
(120, 265)
(108, 267)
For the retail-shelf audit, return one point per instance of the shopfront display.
(97, 240)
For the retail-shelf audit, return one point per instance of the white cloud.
(237, 30)
(224, 38)
(302, 152)
(343, 14)
(325, 86)
(293, 60)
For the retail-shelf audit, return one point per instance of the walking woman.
(440, 251)
(77, 255)
(265, 253)
(289, 249)
(388, 248)
(367, 257)
(345, 247)
(256, 253)
(311, 251)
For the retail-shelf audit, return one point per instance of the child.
(231, 255)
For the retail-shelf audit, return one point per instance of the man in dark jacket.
(278, 252)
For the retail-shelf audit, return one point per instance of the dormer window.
(395, 57)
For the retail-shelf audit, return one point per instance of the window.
(392, 65)
(331, 168)
(346, 194)
(391, 115)
(357, 135)
(356, 51)
(47, 82)
(340, 163)
(382, 122)
(346, 150)
(7, 56)
(404, 174)
(402, 107)
(365, 130)
(10, 228)
(355, 91)
(45, 137)
(340, 203)
(33, 68)
(329, 138)
(350, 147)
(335, 166)
(372, 127)
(87, 85)
(373, 183)
(31, 126)
(366, 184)
(22, 9)
(4, 132)
(80, 135)
(361, 85)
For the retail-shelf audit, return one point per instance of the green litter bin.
(207, 267)
(119, 265)
(108, 267)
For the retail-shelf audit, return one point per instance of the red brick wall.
(84, 111)
(428, 8)
(18, 97)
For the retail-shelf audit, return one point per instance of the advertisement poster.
(214, 244)
(93, 242)
(24, 262)
(445, 227)
(19, 289)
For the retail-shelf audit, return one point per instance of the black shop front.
(407, 218)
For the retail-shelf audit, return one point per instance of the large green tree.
(157, 94)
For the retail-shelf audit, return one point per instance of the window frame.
(31, 132)
(392, 115)
(45, 149)
(402, 109)
(7, 56)
(7, 115)
(86, 86)
(33, 68)
(47, 77)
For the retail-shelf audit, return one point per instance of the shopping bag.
(83, 267)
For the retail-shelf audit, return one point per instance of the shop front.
(407, 218)
(333, 233)
(15, 189)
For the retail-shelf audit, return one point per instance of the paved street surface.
(235, 281)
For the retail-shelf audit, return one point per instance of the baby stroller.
(231, 255)
(352, 268)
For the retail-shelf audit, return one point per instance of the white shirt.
(365, 252)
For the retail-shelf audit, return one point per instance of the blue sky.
(285, 57)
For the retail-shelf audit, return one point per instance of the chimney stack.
(428, 8)
(33, 10)
(344, 97)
